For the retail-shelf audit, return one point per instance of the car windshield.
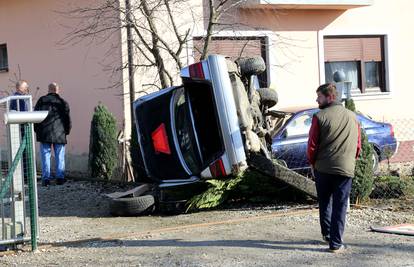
(185, 132)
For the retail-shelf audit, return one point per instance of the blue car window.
(299, 125)
(185, 132)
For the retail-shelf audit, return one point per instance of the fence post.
(31, 180)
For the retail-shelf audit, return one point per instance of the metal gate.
(18, 190)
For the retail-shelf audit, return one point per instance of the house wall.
(32, 31)
(296, 45)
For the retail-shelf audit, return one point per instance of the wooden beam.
(275, 170)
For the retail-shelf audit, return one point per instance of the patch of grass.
(247, 187)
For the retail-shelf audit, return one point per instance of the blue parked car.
(289, 142)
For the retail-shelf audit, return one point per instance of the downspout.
(128, 172)
(130, 57)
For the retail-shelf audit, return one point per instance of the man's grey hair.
(20, 83)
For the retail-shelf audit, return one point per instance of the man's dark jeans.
(333, 193)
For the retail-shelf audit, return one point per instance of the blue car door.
(291, 143)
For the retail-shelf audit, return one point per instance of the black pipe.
(130, 56)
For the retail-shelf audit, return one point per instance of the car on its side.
(203, 128)
(289, 142)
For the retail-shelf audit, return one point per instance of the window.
(235, 47)
(299, 126)
(185, 131)
(4, 65)
(361, 58)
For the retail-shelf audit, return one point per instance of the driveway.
(76, 230)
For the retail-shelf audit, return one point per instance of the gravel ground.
(76, 230)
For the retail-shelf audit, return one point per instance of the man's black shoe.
(60, 181)
(45, 183)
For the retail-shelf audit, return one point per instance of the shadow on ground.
(76, 198)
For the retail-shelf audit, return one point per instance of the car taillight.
(160, 140)
(196, 70)
(217, 168)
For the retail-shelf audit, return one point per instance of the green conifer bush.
(103, 143)
(362, 183)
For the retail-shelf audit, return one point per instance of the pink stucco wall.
(32, 31)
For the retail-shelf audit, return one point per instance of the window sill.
(372, 96)
(4, 70)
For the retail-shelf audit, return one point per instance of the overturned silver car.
(208, 127)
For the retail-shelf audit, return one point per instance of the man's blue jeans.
(45, 153)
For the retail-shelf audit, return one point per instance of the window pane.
(299, 126)
(185, 132)
(372, 74)
(3, 57)
(350, 68)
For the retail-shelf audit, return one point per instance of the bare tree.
(156, 35)
(160, 34)
(216, 9)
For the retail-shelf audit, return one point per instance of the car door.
(290, 144)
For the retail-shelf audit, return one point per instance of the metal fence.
(393, 186)
(18, 192)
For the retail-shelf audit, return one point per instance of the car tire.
(251, 65)
(375, 162)
(131, 206)
(268, 97)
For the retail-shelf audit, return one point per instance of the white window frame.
(388, 40)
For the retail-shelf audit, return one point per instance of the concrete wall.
(32, 31)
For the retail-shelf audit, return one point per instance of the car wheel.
(251, 65)
(131, 206)
(375, 162)
(268, 97)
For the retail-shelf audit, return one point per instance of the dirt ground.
(76, 230)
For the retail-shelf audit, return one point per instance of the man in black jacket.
(52, 132)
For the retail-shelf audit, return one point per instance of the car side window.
(299, 126)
